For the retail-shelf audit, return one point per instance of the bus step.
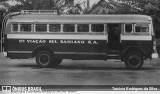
(112, 56)
(113, 52)
(114, 60)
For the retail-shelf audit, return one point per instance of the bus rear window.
(26, 27)
(97, 27)
(54, 28)
(15, 27)
(41, 28)
(68, 28)
(83, 28)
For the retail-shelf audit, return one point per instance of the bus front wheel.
(134, 60)
(45, 59)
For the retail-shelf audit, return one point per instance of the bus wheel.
(44, 59)
(134, 60)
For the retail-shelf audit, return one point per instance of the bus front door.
(114, 31)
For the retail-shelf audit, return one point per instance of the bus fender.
(41, 48)
(129, 49)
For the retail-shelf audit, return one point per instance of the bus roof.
(50, 18)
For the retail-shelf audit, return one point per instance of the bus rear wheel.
(45, 59)
(134, 60)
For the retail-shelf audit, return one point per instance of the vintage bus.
(51, 37)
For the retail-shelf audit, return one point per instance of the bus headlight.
(4, 53)
(155, 55)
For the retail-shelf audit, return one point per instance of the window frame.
(17, 28)
(33, 27)
(68, 24)
(48, 27)
(83, 24)
(104, 27)
(26, 23)
(133, 26)
(41, 24)
(141, 27)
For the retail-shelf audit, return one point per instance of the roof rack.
(39, 12)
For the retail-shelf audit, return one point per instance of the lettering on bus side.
(32, 41)
(36, 41)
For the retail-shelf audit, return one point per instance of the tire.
(134, 60)
(45, 59)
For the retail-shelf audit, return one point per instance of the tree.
(39, 4)
(146, 7)
(4, 4)
(149, 7)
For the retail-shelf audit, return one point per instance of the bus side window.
(41, 27)
(68, 28)
(15, 27)
(54, 27)
(83, 28)
(128, 28)
(97, 28)
(141, 28)
(26, 27)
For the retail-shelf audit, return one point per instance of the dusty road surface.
(72, 72)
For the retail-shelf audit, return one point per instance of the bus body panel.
(60, 46)
(145, 47)
(74, 45)
(141, 42)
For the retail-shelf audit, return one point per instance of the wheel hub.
(44, 59)
(134, 62)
